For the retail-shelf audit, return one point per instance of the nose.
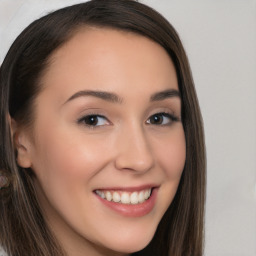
(134, 151)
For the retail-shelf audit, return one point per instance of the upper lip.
(130, 188)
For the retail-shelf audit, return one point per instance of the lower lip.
(132, 210)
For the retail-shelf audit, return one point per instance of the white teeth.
(100, 193)
(134, 198)
(116, 197)
(141, 197)
(147, 193)
(108, 196)
(125, 197)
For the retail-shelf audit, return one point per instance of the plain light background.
(220, 39)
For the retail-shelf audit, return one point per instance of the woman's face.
(108, 146)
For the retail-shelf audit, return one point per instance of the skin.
(125, 149)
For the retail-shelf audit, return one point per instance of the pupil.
(92, 120)
(156, 119)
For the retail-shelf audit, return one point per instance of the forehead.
(108, 59)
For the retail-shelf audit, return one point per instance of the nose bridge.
(134, 149)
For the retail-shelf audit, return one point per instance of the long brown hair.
(23, 230)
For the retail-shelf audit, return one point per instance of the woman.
(102, 149)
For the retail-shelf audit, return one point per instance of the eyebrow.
(113, 98)
(170, 93)
(107, 96)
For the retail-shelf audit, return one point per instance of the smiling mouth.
(125, 197)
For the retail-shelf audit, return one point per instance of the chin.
(132, 244)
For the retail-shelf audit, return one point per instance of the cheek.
(171, 153)
(65, 161)
(64, 165)
(171, 156)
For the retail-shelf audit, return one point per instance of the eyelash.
(95, 118)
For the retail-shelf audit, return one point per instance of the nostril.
(134, 164)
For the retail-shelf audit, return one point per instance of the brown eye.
(156, 119)
(161, 119)
(91, 120)
(94, 120)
